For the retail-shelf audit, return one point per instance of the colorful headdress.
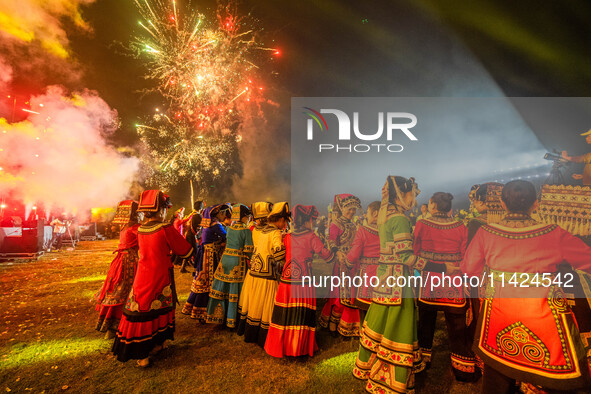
(586, 133)
(490, 194)
(125, 210)
(261, 209)
(303, 213)
(280, 210)
(345, 201)
(472, 194)
(221, 208)
(239, 211)
(153, 200)
(409, 185)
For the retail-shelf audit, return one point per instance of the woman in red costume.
(364, 256)
(293, 323)
(339, 312)
(112, 296)
(148, 315)
(442, 240)
(526, 330)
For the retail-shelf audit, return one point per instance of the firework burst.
(206, 71)
(173, 152)
(203, 68)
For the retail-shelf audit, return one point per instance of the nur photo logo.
(388, 125)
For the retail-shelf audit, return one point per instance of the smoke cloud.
(5, 79)
(265, 155)
(59, 156)
(5, 74)
(34, 41)
(41, 21)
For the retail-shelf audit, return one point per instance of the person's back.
(526, 330)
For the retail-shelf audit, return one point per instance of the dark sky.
(372, 48)
(356, 48)
(375, 48)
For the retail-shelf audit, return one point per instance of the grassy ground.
(48, 343)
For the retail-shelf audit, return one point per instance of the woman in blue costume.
(229, 275)
(213, 241)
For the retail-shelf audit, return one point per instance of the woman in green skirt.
(389, 352)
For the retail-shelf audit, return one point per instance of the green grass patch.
(26, 354)
(338, 365)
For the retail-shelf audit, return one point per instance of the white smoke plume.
(59, 156)
(265, 156)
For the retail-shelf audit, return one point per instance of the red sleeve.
(287, 245)
(133, 241)
(356, 246)
(334, 232)
(418, 233)
(185, 220)
(464, 242)
(574, 251)
(473, 261)
(177, 243)
(320, 250)
(177, 224)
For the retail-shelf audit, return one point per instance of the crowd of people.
(250, 262)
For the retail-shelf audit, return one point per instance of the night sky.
(374, 48)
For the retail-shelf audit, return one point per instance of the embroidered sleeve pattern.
(277, 247)
(400, 251)
(248, 244)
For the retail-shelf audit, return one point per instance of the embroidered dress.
(117, 285)
(257, 298)
(364, 256)
(229, 276)
(293, 324)
(148, 314)
(389, 353)
(340, 309)
(213, 239)
(492, 212)
(442, 240)
(526, 329)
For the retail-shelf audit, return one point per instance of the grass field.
(48, 343)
